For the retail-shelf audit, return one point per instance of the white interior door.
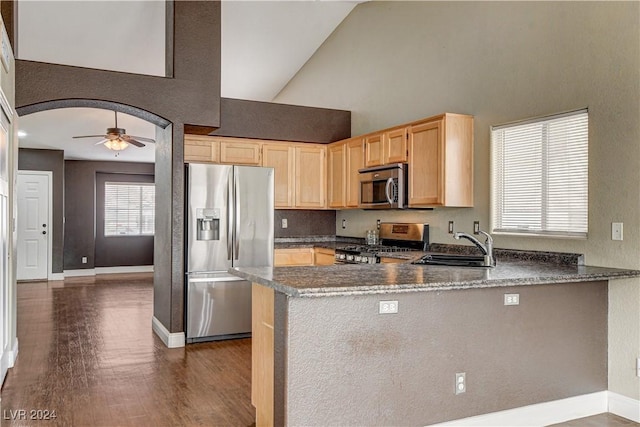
(33, 226)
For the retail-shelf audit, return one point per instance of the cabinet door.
(336, 160)
(324, 256)
(310, 176)
(199, 149)
(355, 161)
(293, 257)
(395, 146)
(281, 158)
(426, 164)
(374, 150)
(240, 152)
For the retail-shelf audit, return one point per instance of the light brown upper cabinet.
(441, 161)
(355, 161)
(280, 156)
(300, 174)
(395, 146)
(374, 150)
(311, 176)
(336, 174)
(344, 159)
(240, 152)
(386, 147)
(213, 149)
(201, 149)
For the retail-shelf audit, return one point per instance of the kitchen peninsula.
(324, 354)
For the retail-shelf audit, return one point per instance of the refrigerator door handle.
(236, 229)
(230, 222)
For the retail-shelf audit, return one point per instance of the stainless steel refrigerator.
(229, 224)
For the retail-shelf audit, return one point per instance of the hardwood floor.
(87, 352)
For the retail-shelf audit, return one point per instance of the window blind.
(129, 209)
(540, 176)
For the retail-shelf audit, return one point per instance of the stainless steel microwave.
(383, 187)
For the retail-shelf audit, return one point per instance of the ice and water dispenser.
(208, 223)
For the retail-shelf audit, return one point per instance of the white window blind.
(540, 176)
(129, 209)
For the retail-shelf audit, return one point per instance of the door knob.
(44, 225)
(44, 232)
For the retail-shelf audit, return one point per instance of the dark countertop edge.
(431, 287)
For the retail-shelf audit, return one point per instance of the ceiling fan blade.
(142, 138)
(132, 141)
(89, 136)
(101, 142)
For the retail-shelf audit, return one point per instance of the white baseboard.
(540, 414)
(108, 270)
(56, 276)
(624, 406)
(80, 273)
(171, 340)
(13, 354)
(125, 269)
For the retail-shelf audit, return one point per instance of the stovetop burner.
(374, 249)
(395, 237)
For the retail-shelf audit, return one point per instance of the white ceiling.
(264, 44)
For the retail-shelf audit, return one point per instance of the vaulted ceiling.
(264, 44)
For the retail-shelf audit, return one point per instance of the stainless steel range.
(394, 237)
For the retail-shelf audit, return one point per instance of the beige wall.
(393, 62)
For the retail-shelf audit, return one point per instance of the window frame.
(140, 210)
(499, 229)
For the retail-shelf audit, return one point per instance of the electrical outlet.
(450, 227)
(284, 223)
(84, 259)
(638, 367)
(461, 382)
(378, 224)
(616, 231)
(388, 307)
(511, 299)
(476, 227)
(344, 224)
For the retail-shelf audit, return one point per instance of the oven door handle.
(387, 190)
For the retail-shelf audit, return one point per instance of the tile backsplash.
(305, 223)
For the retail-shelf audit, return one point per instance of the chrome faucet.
(486, 248)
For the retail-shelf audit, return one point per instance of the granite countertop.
(354, 279)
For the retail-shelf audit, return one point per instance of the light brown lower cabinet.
(324, 256)
(262, 370)
(293, 257)
(386, 260)
(290, 257)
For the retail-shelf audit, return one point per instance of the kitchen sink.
(453, 260)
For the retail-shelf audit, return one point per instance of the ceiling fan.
(117, 139)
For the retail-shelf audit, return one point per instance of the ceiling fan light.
(116, 144)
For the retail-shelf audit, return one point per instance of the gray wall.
(263, 120)
(50, 160)
(348, 365)
(119, 250)
(393, 62)
(80, 208)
